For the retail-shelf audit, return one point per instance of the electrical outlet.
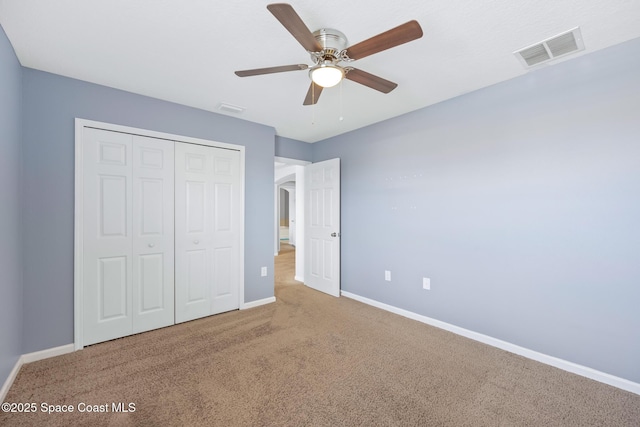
(426, 283)
(263, 271)
(387, 275)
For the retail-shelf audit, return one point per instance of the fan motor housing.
(332, 41)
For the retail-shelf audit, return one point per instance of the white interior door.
(128, 234)
(108, 266)
(207, 214)
(194, 240)
(153, 246)
(226, 230)
(322, 226)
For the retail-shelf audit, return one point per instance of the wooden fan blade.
(394, 37)
(312, 94)
(269, 70)
(367, 79)
(294, 24)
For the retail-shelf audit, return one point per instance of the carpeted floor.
(310, 360)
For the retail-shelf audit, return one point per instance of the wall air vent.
(551, 48)
(228, 108)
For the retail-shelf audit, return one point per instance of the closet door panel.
(153, 233)
(107, 257)
(226, 230)
(207, 231)
(193, 236)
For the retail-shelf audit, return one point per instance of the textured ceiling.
(186, 51)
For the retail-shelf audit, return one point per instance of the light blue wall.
(293, 149)
(51, 103)
(520, 201)
(10, 239)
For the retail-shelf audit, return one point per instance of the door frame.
(292, 171)
(78, 249)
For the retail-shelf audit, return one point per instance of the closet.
(160, 232)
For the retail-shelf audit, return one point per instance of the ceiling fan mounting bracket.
(331, 39)
(333, 43)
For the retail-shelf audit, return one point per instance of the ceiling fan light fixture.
(326, 75)
(327, 48)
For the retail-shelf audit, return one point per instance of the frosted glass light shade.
(326, 75)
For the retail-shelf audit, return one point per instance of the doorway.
(316, 187)
(289, 178)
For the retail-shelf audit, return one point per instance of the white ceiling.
(186, 51)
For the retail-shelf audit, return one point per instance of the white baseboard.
(258, 303)
(9, 381)
(522, 351)
(298, 279)
(32, 357)
(45, 354)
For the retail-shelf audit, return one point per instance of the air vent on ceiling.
(229, 108)
(551, 48)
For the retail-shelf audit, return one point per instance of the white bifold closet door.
(207, 230)
(128, 230)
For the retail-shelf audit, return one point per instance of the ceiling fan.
(328, 51)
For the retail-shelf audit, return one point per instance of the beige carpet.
(311, 360)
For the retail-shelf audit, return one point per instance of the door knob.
(151, 245)
(334, 234)
(196, 241)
